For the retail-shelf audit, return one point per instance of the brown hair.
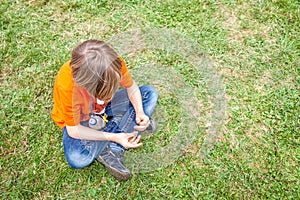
(97, 68)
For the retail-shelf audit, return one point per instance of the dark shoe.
(114, 162)
(152, 126)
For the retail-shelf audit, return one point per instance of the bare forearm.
(85, 133)
(135, 98)
(127, 140)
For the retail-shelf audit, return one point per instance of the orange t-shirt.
(71, 102)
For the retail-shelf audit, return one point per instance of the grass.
(254, 46)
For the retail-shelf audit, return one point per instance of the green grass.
(255, 46)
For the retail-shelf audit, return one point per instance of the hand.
(128, 140)
(143, 122)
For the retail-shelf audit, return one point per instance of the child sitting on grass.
(86, 92)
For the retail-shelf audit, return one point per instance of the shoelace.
(119, 155)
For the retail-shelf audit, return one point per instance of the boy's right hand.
(128, 140)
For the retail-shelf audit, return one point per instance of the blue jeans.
(81, 153)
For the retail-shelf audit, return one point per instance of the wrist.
(140, 112)
(111, 137)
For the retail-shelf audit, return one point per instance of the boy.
(85, 93)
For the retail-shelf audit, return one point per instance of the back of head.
(97, 68)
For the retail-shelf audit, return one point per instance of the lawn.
(228, 77)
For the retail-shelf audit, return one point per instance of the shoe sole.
(117, 174)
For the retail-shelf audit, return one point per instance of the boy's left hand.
(143, 122)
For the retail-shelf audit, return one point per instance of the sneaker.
(152, 126)
(114, 162)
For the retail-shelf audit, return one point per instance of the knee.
(149, 92)
(154, 93)
(75, 160)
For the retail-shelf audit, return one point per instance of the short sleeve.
(71, 107)
(66, 110)
(126, 80)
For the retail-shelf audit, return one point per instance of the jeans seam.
(128, 122)
(116, 104)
